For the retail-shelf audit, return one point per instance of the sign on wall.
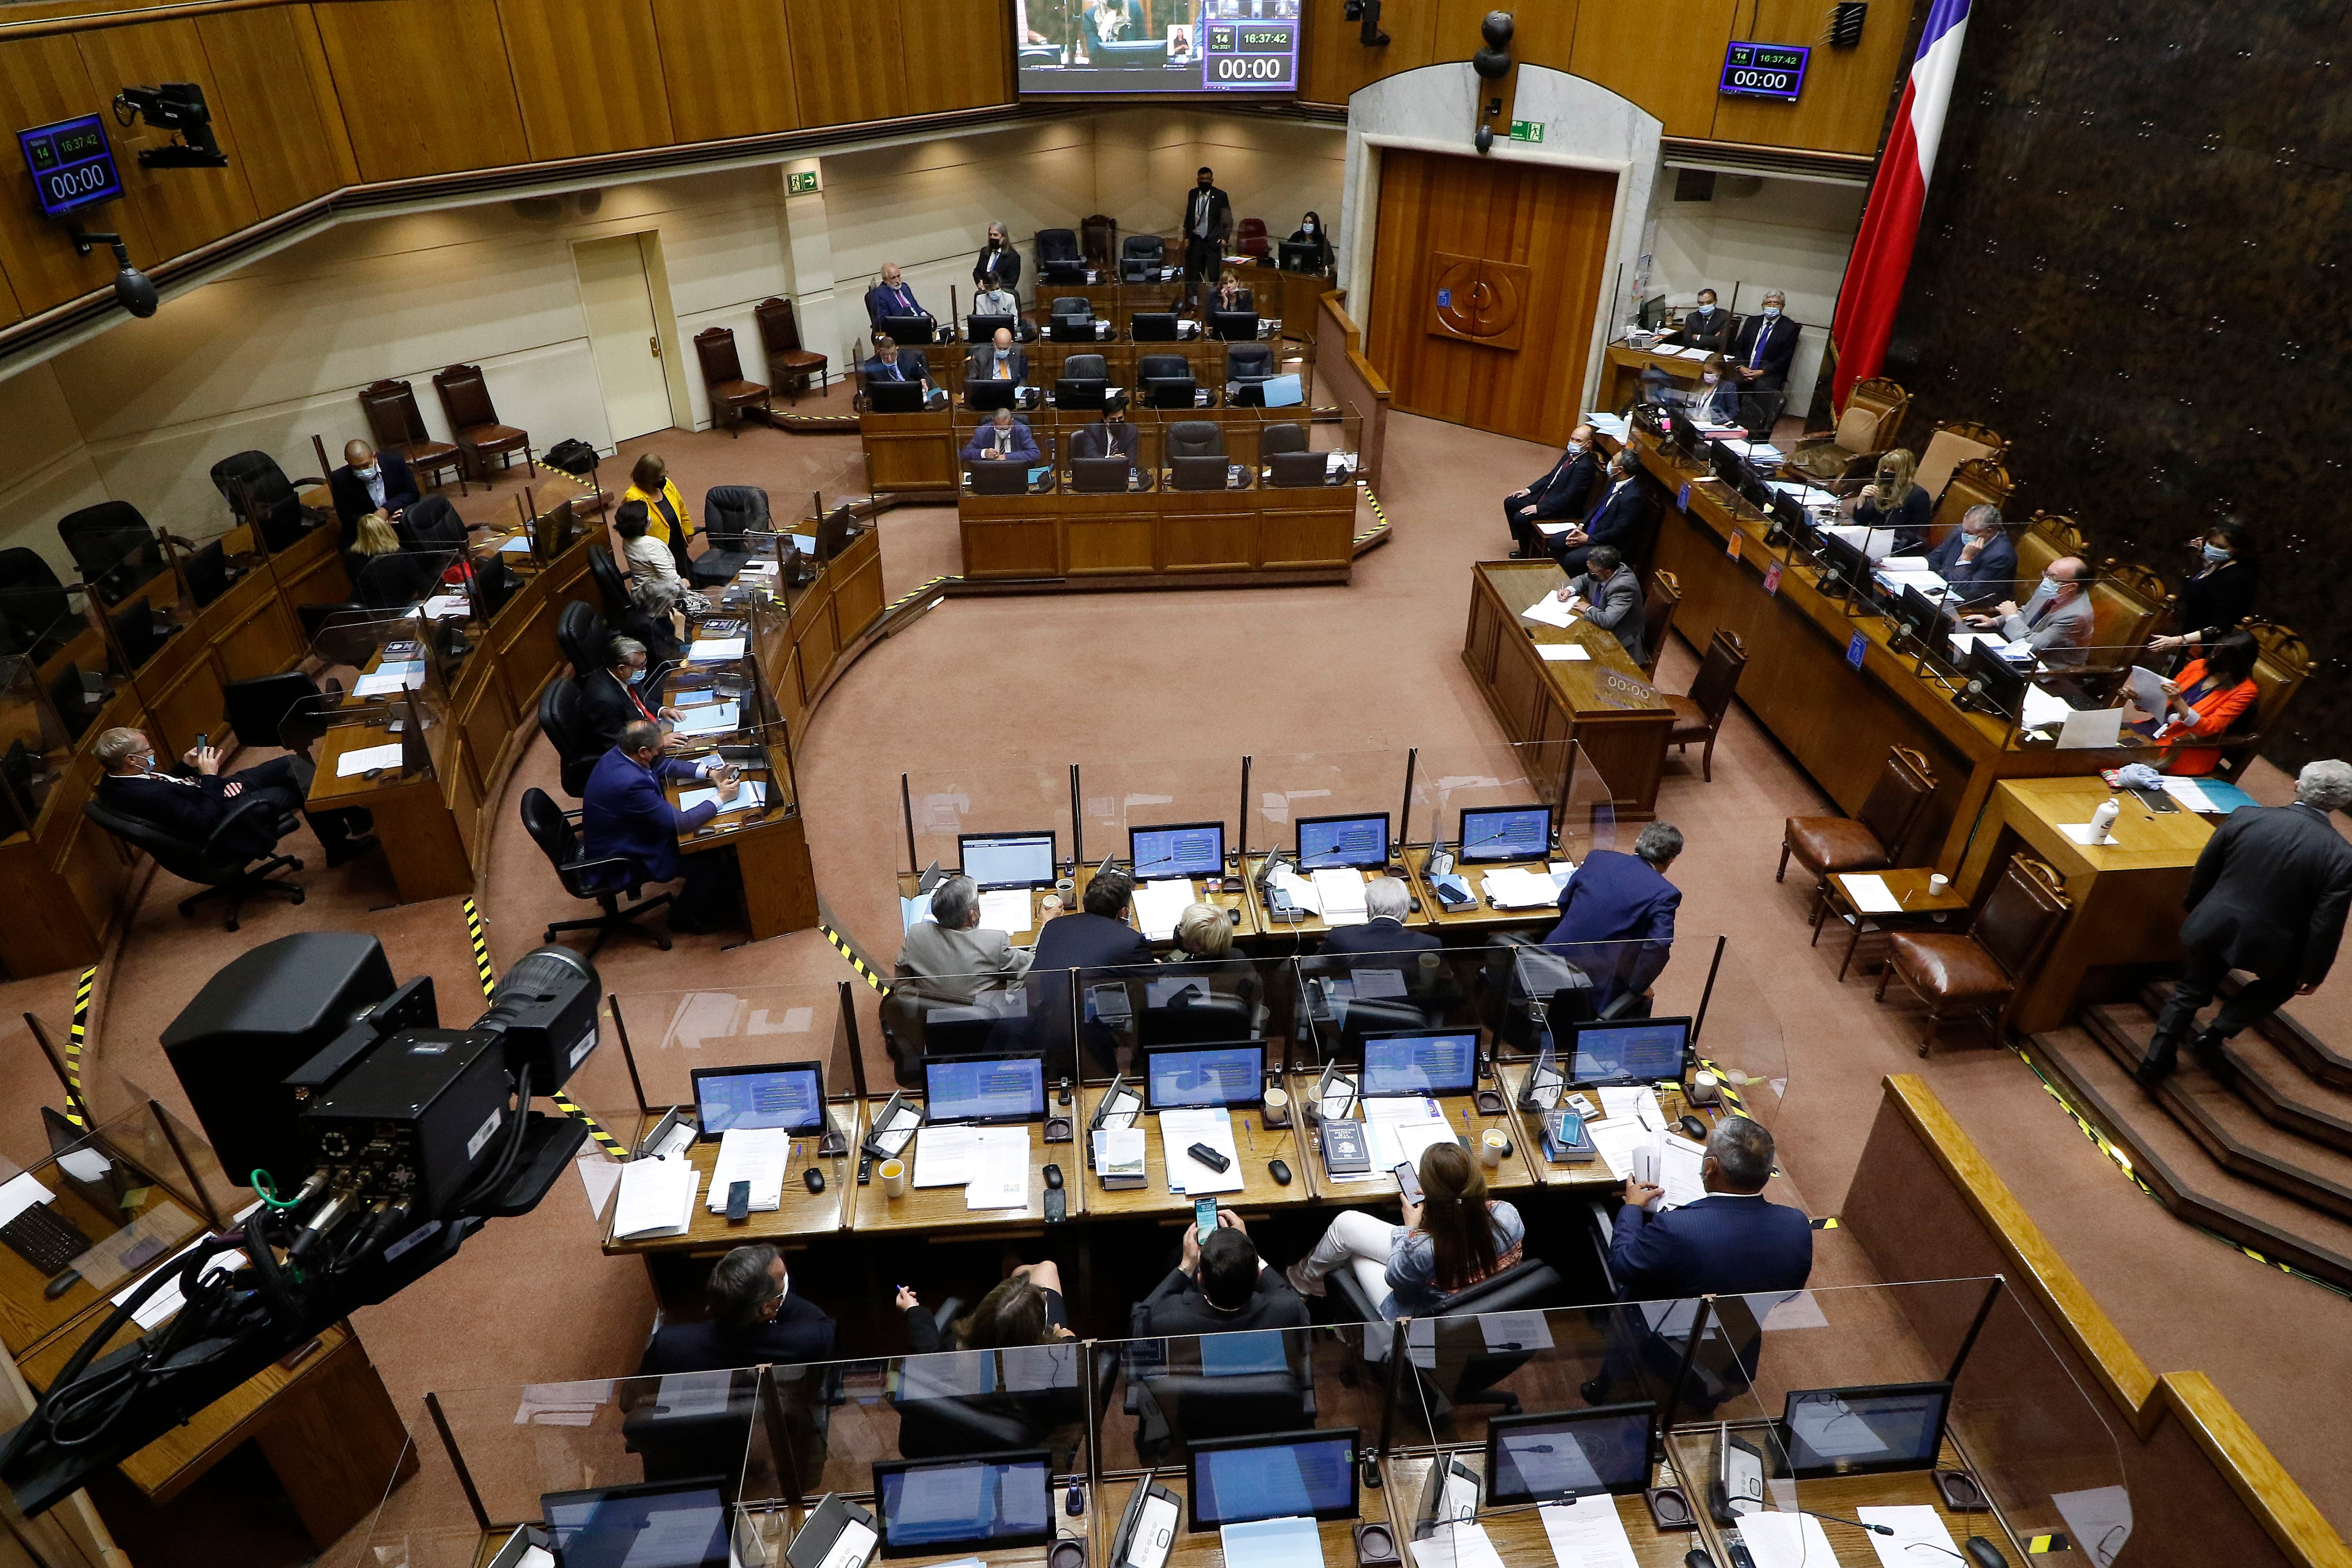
(1764, 70)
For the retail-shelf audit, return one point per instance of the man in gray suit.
(2269, 897)
(1610, 597)
(948, 958)
(2056, 621)
(998, 360)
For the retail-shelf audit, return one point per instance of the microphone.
(1858, 1524)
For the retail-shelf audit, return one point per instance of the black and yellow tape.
(481, 940)
(1382, 518)
(1725, 1088)
(74, 1036)
(906, 599)
(2055, 1542)
(841, 945)
(1827, 1222)
(604, 1140)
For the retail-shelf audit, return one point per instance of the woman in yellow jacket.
(666, 518)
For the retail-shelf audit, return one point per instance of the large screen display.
(1165, 46)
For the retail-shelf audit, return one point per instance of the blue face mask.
(2215, 554)
(1771, 311)
(1706, 307)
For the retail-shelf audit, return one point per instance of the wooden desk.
(910, 883)
(1064, 541)
(1603, 702)
(158, 1226)
(770, 846)
(1687, 1451)
(1205, 890)
(2126, 895)
(427, 854)
(1622, 368)
(908, 454)
(1472, 922)
(801, 1215)
(1293, 298)
(1252, 1140)
(1920, 902)
(1518, 1536)
(1593, 1176)
(1313, 924)
(941, 1208)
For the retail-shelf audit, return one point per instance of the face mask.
(2215, 553)
(368, 472)
(1771, 311)
(1576, 449)
(2050, 583)
(1709, 378)
(1310, 229)
(1706, 306)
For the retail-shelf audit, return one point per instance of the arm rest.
(577, 874)
(216, 847)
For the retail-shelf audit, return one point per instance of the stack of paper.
(656, 1198)
(1302, 892)
(1511, 888)
(1159, 904)
(1637, 1104)
(999, 1177)
(1402, 1126)
(2207, 794)
(1340, 895)
(711, 649)
(1588, 1533)
(753, 1154)
(1673, 1164)
(1561, 652)
(1119, 1156)
(749, 794)
(1617, 1141)
(352, 763)
(446, 606)
(388, 677)
(1551, 610)
(946, 1156)
(1006, 909)
(2042, 709)
(1870, 895)
(1456, 1543)
(707, 719)
(1179, 1131)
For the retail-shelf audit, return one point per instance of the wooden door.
(1486, 275)
(616, 295)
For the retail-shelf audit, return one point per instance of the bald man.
(370, 483)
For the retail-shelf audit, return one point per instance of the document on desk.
(2208, 796)
(999, 1177)
(2091, 730)
(1302, 892)
(753, 1154)
(1179, 1131)
(1914, 1525)
(1340, 891)
(1401, 1127)
(1587, 1533)
(1160, 904)
(1272, 1543)
(446, 606)
(750, 793)
(388, 677)
(1674, 1163)
(1787, 1540)
(1515, 887)
(709, 719)
(1636, 1103)
(1456, 1543)
(2043, 709)
(1007, 909)
(946, 1156)
(1551, 610)
(656, 1198)
(1617, 1140)
(1561, 652)
(1870, 895)
(352, 763)
(710, 651)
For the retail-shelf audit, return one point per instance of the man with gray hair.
(949, 959)
(1617, 914)
(1386, 903)
(2269, 897)
(193, 801)
(1979, 561)
(1608, 595)
(755, 1320)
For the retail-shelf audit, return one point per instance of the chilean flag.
(1890, 223)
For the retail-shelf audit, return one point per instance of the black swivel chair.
(72, 701)
(1058, 258)
(584, 638)
(1195, 438)
(1086, 367)
(577, 748)
(226, 870)
(602, 878)
(1071, 307)
(677, 1446)
(1172, 1408)
(1166, 381)
(1140, 257)
(258, 492)
(431, 524)
(1248, 365)
(34, 606)
(726, 511)
(113, 548)
(1466, 1369)
(610, 589)
(1276, 439)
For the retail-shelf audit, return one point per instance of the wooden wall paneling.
(1211, 539)
(724, 62)
(1669, 71)
(587, 74)
(184, 208)
(425, 86)
(311, 49)
(958, 54)
(43, 81)
(1096, 545)
(846, 61)
(1844, 98)
(1333, 61)
(287, 122)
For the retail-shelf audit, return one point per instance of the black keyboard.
(44, 1238)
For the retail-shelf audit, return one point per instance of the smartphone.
(1408, 1181)
(203, 741)
(1204, 1218)
(1453, 896)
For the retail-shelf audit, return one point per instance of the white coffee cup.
(894, 1178)
(1491, 1145)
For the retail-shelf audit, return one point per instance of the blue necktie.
(1756, 359)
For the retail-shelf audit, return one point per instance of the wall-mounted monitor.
(1764, 70)
(1183, 47)
(72, 164)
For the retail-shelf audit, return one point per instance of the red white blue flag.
(1890, 223)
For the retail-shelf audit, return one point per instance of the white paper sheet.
(598, 1177)
(1159, 905)
(2147, 688)
(20, 1194)
(352, 763)
(2090, 729)
(1514, 887)
(1340, 889)
(388, 678)
(750, 793)
(1457, 1544)
(1302, 892)
(1870, 895)
(1562, 652)
(753, 1154)
(2043, 708)
(1787, 1540)
(946, 1156)
(1679, 1162)
(1616, 1141)
(710, 650)
(1008, 910)
(709, 719)
(2100, 1518)
(1549, 611)
(999, 1177)
(656, 1198)
(1179, 1131)
(1587, 1533)
(153, 1313)
(447, 606)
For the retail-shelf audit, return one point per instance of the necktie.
(2035, 619)
(890, 372)
(1003, 441)
(1763, 331)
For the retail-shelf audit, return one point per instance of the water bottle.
(2103, 821)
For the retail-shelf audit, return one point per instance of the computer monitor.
(1506, 833)
(1566, 1454)
(1299, 470)
(1181, 850)
(904, 330)
(1858, 1431)
(895, 397)
(1843, 560)
(1199, 472)
(992, 394)
(1420, 1064)
(980, 328)
(1754, 490)
(1233, 326)
(1194, 1075)
(1074, 392)
(1171, 391)
(1631, 1050)
(1009, 1088)
(1725, 462)
(785, 1095)
(1100, 476)
(1072, 329)
(1007, 859)
(658, 1524)
(1786, 512)
(1152, 326)
(928, 1507)
(1286, 1475)
(2000, 685)
(994, 479)
(1300, 256)
(1333, 841)
(1923, 617)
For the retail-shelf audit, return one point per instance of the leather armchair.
(1975, 972)
(1873, 839)
(789, 364)
(722, 379)
(577, 750)
(1838, 459)
(473, 419)
(396, 425)
(1700, 716)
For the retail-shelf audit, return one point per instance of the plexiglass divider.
(660, 1040)
(941, 806)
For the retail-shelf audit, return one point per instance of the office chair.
(952, 1424)
(35, 606)
(1195, 438)
(1250, 236)
(431, 524)
(1172, 1408)
(1204, 1020)
(610, 588)
(71, 698)
(1086, 367)
(722, 379)
(289, 711)
(604, 878)
(396, 425)
(1071, 307)
(473, 419)
(260, 493)
(1465, 1370)
(1166, 380)
(789, 364)
(1276, 439)
(677, 1446)
(577, 748)
(1247, 363)
(113, 548)
(726, 511)
(207, 573)
(584, 638)
(226, 870)
(1141, 255)
(1059, 256)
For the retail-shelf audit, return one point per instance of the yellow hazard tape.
(1827, 1222)
(604, 1140)
(906, 599)
(481, 948)
(2053, 1541)
(841, 945)
(1374, 502)
(75, 1034)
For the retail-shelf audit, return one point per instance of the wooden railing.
(1339, 361)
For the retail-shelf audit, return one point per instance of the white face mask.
(1706, 307)
(368, 472)
(1310, 227)
(1771, 311)
(1709, 378)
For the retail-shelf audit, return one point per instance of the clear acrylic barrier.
(670, 1034)
(1014, 799)
(1450, 780)
(32, 743)
(1191, 999)
(1286, 786)
(1156, 1395)
(1122, 794)
(37, 622)
(389, 672)
(145, 602)
(1735, 1031)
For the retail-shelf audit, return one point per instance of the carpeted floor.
(994, 691)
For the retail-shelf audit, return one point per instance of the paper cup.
(1491, 1145)
(1276, 1103)
(1937, 882)
(893, 1174)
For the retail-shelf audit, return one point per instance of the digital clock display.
(1765, 70)
(1177, 47)
(72, 164)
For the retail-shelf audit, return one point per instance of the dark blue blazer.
(1382, 935)
(188, 807)
(801, 1332)
(1079, 941)
(1025, 444)
(1723, 1245)
(1993, 570)
(883, 301)
(624, 812)
(1620, 898)
(911, 366)
(350, 493)
(1568, 489)
(1621, 518)
(1780, 348)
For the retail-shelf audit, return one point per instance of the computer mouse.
(1279, 1171)
(1052, 1175)
(1693, 1129)
(814, 1179)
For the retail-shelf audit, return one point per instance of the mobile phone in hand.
(1408, 1181)
(1204, 1218)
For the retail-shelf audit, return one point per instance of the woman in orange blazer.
(649, 482)
(2203, 701)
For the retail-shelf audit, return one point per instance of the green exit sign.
(1526, 130)
(802, 182)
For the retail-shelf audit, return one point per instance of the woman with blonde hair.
(1896, 501)
(383, 576)
(1027, 1308)
(1455, 1238)
(1204, 946)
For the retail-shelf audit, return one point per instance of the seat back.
(254, 485)
(72, 703)
(112, 547)
(258, 708)
(1163, 367)
(207, 573)
(2047, 537)
(1718, 674)
(1202, 1020)
(609, 586)
(584, 638)
(1903, 788)
(1283, 437)
(680, 1445)
(1098, 232)
(2126, 602)
(1376, 1016)
(714, 349)
(1953, 443)
(1249, 235)
(728, 510)
(576, 747)
(1178, 1406)
(545, 822)
(1658, 613)
(1146, 249)
(1884, 404)
(1086, 367)
(1977, 481)
(2020, 915)
(779, 329)
(1056, 245)
(1195, 438)
(2282, 663)
(31, 598)
(184, 859)
(464, 396)
(1249, 362)
(432, 525)
(393, 419)
(1072, 308)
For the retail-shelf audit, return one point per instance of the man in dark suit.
(755, 1320)
(1386, 903)
(1222, 1286)
(1208, 219)
(1729, 1243)
(1000, 359)
(192, 801)
(1978, 561)
(1704, 327)
(1610, 597)
(999, 264)
(1097, 937)
(619, 695)
(891, 363)
(2268, 896)
(1760, 360)
(891, 297)
(1109, 436)
(1620, 520)
(1624, 899)
(1562, 493)
(624, 812)
(1003, 440)
(370, 481)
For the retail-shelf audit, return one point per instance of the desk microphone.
(1858, 1524)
